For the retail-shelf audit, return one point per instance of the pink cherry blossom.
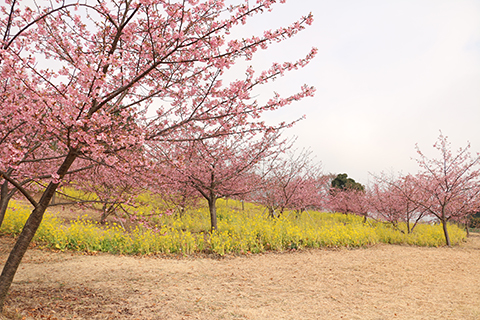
(92, 83)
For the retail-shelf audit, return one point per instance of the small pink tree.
(449, 186)
(217, 167)
(176, 196)
(109, 187)
(291, 182)
(395, 200)
(350, 201)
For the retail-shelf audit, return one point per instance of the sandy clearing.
(381, 282)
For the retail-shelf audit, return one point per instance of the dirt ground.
(381, 282)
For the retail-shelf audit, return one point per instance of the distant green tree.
(474, 221)
(343, 182)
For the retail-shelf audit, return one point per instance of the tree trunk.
(445, 231)
(271, 212)
(53, 198)
(180, 211)
(4, 199)
(213, 212)
(22, 243)
(29, 230)
(103, 217)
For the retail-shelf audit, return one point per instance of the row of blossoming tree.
(121, 97)
(445, 189)
(95, 92)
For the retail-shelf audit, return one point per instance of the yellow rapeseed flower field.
(239, 231)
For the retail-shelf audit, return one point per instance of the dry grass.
(382, 282)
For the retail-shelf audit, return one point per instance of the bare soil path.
(381, 282)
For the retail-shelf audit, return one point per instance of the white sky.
(389, 74)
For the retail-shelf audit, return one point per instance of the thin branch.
(19, 187)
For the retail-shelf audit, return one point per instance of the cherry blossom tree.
(291, 182)
(33, 172)
(163, 184)
(24, 143)
(90, 79)
(350, 201)
(348, 196)
(396, 199)
(339, 201)
(113, 189)
(181, 198)
(449, 186)
(218, 167)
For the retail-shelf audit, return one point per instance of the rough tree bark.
(3, 201)
(212, 207)
(29, 230)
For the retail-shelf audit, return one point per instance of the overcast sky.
(389, 74)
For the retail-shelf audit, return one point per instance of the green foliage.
(475, 221)
(342, 182)
(238, 232)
